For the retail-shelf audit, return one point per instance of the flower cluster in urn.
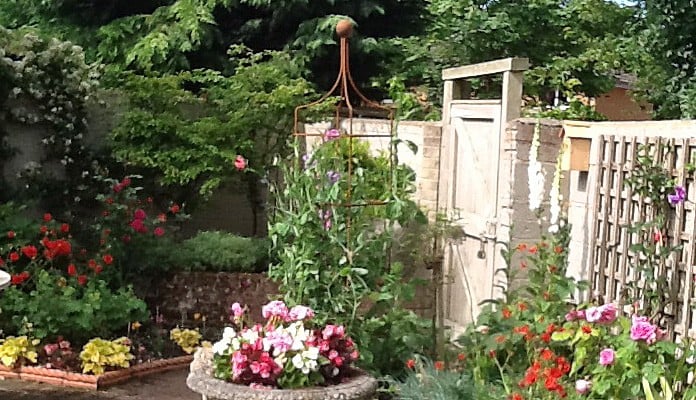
(288, 351)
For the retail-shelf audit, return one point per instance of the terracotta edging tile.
(92, 382)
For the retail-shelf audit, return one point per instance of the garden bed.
(93, 382)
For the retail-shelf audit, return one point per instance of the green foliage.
(187, 129)
(49, 83)
(336, 271)
(427, 382)
(662, 55)
(55, 308)
(14, 351)
(221, 252)
(582, 45)
(100, 355)
(651, 181)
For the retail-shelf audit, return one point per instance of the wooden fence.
(612, 260)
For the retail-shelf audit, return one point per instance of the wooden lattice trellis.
(612, 263)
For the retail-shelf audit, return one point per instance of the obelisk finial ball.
(344, 28)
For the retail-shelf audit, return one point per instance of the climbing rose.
(139, 214)
(82, 280)
(10, 235)
(159, 231)
(47, 217)
(174, 208)
(72, 271)
(642, 329)
(108, 259)
(65, 228)
(606, 357)
(240, 163)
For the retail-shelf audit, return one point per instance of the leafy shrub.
(222, 252)
(56, 307)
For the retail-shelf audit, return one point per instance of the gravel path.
(165, 386)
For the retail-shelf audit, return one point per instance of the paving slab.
(165, 386)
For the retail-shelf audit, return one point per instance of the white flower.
(229, 333)
(250, 335)
(221, 346)
(535, 173)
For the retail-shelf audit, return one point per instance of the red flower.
(14, 256)
(461, 357)
(43, 229)
(65, 228)
(522, 330)
(545, 337)
(18, 279)
(82, 280)
(550, 328)
(159, 231)
(72, 270)
(11, 235)
(138, 226)
(108, 259)
(533, 250)
(522, 247)
(56, 248)
(2, 261)
(506, 313)
(547, 355)
(586, 329)
(439, 365)
(500, 339)
(522, 306)
(410, 363)
(91, 263)
(516, 396)
(47, 217)
(162, 217)
(558, 249)
(30, 251)
(98, 269)
(109, 200)
(174, 208)
(139, 214)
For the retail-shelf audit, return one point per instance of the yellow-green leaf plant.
(15, 351)
(187, 339)
(99, 354)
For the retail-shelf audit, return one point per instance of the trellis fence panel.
(616, 208)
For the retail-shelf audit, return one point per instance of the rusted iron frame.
(344, 82)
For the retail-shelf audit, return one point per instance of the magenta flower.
(606, 357)
(332, 134)
(642, 329)
(678, 196)
(582, 386)
(609, 313)
(593, 314)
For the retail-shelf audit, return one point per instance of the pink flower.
(642, 329)
(237, 310)
(582, 386)
(572, 315)
(279, 340)
(159, 231)
(275, 309)
(240, 163)
(50, 349)
(606, 357)
(593, 314)
(609, 313)
(299, 313)
(139, 214)
(332, 134)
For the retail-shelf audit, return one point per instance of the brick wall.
(517, 221)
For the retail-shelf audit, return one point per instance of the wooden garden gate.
(471, 148)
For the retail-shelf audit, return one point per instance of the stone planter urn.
(4, 280)
(201, 380)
